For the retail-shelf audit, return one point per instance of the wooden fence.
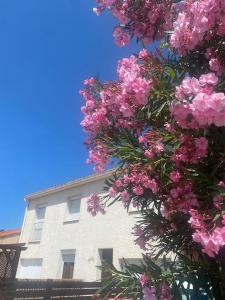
(9, 258)
(47, 289)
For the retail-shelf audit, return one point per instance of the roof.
(68, 185)
(10, 232)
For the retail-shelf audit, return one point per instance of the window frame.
(37, 222)
(72, 217)
(65, 261)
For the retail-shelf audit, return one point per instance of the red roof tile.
(10, 232)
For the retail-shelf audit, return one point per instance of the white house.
(64, 241)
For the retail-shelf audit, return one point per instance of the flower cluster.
(191, 150)
(134, 182)
(114, 104)
(163, 122)
(196, 21)
(141, 239)
(197, 104)
(152, 144)
(181, 199)
(211, 240)
(150, 292)
(95, 205)
(147, 19)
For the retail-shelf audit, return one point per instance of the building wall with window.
(64, 241)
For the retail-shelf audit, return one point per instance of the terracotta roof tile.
(10, 232)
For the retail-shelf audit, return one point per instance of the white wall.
(112, 230)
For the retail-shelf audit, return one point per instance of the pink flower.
(217, 201)
(126, 110)
(121, 37)
(149, 154)
(149, 293)
(211, 242)
(194, 22)
(141, 239)
(112, 192)
(142, 139)
(221, 184)
(165, 292)
(204, 107)
(144, 280)
(89, 81)
(201, 147)
(118, 183)
(138, 190)
(175, 176)
(159, 147)
(125, 196)
(95, 205)
(152, 185)
(209, 78)
(215, 65)
(143, 54)
(168, 127)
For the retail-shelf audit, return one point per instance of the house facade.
(64, 241)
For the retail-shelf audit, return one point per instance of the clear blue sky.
(47, 49)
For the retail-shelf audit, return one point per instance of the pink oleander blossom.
(121, 37)
(144, 280)
(141, 239)
(175, 176)
(138, 190)
(95, 205)
(149, 293)
(194, 22)
(211, 242)
(125, 196)
(147, 20)
(199, 106)
(113, 191)
(165, 292)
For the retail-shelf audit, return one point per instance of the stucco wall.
(87, 236)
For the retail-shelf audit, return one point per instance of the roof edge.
(9, 232)
(70, 184)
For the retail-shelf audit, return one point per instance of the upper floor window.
(37, 227)
(40, 212)
(73, 209)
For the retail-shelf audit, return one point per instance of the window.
(40, 212)
(30, 268)
(37, 227)
(106, 256)
(73, 209)
(68, 258)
